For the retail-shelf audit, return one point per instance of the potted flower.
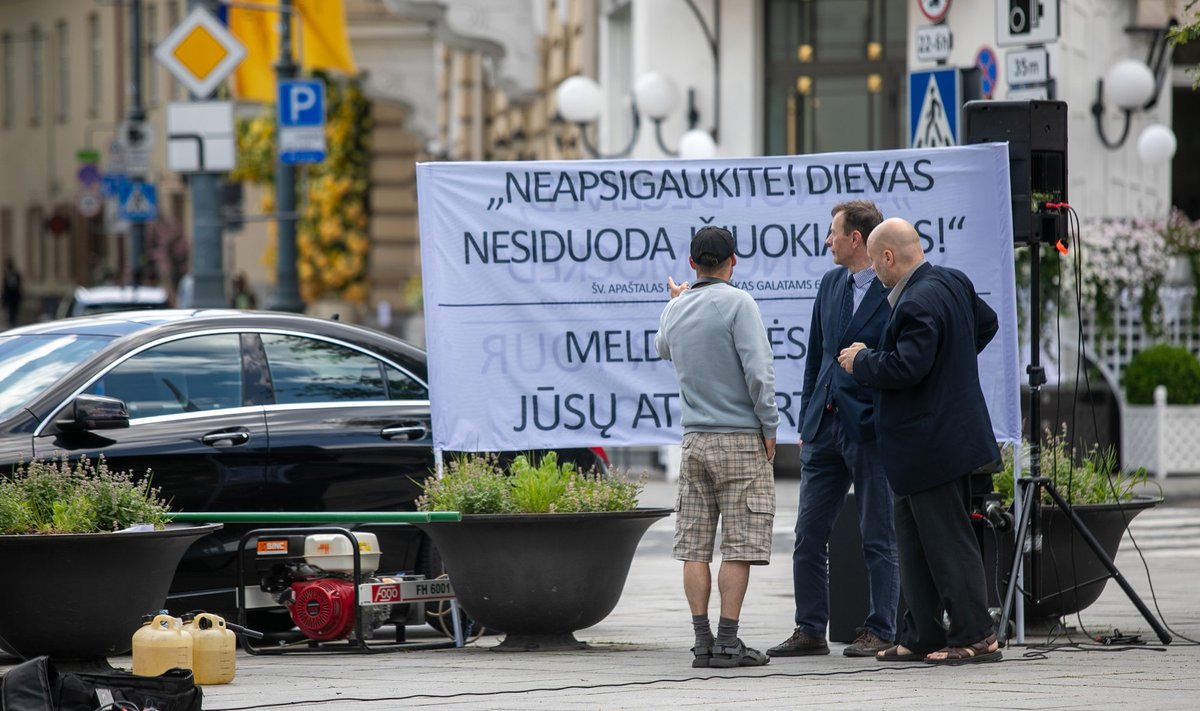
(542, 549)
(1162, 410)
(1103, 496)
(88, 552)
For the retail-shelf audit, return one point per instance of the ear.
(692, 263)
(732, 259)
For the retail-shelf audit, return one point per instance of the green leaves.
(64, 497)
(476, 484)
(1092, 477)
(1172, 366)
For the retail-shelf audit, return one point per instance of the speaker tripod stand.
(1029, 492)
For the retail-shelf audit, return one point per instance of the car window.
(309, 370)
(188, 375)
(29, 364)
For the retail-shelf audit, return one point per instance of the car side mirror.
(94, 412)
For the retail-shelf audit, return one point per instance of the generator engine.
(313, 577)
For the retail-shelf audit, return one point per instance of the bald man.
(934, 432)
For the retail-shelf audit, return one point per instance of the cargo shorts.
(724, 475)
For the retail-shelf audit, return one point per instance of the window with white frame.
(95, 66)
(37, 75)
(152, 66)
(64, 71)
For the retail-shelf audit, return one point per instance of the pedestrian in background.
(12, 293)
(243, 298)
(714, 334)
(934, 433)
(838, 447)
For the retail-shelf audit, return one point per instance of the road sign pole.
(137, 115)
(208, 259)
(287, 290)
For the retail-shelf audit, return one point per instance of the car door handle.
(409, 432)
(226, 439)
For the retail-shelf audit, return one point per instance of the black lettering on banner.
(545, 411)
(647, 410)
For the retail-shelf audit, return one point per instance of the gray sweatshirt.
(715, 336)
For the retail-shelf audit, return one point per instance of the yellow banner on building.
(319, 41)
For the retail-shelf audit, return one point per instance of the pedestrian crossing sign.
(138, 201)
(934, 105)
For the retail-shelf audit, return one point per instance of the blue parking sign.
(301, 115)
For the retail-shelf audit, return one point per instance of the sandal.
(981, 651)
(893, 654)
(737, 655)
(701, 656)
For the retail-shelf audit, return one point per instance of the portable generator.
(313, 577)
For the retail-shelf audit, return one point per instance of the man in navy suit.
(837, 440)
(934, 432)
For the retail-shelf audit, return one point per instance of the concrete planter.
(540, 577)
(81, 596)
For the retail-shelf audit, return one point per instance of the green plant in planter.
(64, 497)
(1092, 477)
(1172, 366)
(477, 484)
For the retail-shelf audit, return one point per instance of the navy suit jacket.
(823, 375)
(933, 422)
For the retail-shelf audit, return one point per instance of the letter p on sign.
(301, 103)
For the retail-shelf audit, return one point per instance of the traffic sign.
(934, 43)
(301, 114)
(200, 52)
(1027, 66)
(110, 184)
(89, 203)
(985, 59)
(200, 137)
(135, 139)
(934, 102)
(138, 201)
(1026, 22)
(935, 10)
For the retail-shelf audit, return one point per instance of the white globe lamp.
(1156, 144)
(1129, 84)
(579, 99)
(656, 95)
(697, 143)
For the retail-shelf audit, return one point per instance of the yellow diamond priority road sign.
(200, 52)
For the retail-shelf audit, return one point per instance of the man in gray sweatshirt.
(714, 334)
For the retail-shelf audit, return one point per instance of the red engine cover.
(324, 608)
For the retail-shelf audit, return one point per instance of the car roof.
(120, 294)
(127, 323)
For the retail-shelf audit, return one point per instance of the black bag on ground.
(36, 685)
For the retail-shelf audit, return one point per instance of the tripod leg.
(1112, 568)
(1028, 497)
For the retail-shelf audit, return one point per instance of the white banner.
(544, 281)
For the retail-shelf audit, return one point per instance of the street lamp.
(1132, 86)
(580, 99)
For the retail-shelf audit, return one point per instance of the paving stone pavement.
(639, 657)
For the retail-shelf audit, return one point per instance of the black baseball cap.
(711, 246)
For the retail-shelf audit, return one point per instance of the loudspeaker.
(1036, 133)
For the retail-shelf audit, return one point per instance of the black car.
(233, 411)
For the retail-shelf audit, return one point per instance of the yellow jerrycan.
(161, 645)
(214, 650)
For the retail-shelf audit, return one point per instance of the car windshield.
(31, 363)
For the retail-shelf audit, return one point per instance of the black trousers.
(941, 570)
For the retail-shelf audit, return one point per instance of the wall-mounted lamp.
(1134, 86)
(580, 99)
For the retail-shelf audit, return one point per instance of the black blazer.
(933, 423)
(822, 374)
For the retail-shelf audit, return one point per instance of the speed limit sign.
(89, 204)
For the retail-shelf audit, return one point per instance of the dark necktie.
(847, 306)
